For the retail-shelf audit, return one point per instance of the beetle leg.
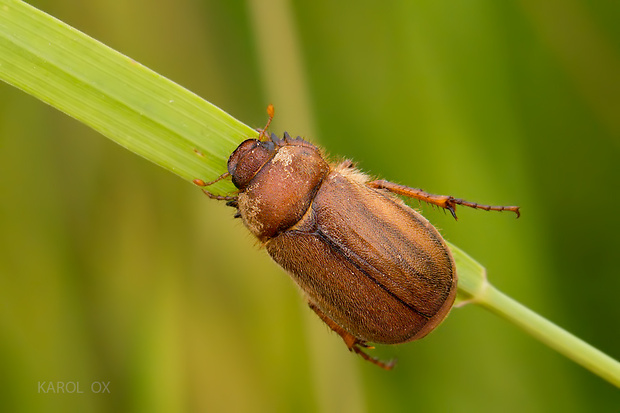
(384, 365)
(443, 201)
(353, 343)
(220, 197)
(200, 182)
(233, 203)
(204, 184)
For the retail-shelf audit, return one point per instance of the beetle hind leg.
(443, 201)
(353, 343)
(387, 365)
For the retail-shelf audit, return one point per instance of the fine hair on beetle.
(371, 267)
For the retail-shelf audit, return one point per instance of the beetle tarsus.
(220, 197)
(500, 208)
(203, 184)
(389, 365)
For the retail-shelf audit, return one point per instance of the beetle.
(372, 268)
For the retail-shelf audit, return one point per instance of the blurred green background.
(113, 270)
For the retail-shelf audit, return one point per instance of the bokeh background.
(113, 270)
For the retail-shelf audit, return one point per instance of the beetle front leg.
(443, 201)
(202, 184)
(353, 343)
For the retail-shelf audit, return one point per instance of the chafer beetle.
(373, 269)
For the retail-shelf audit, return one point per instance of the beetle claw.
(452, 211)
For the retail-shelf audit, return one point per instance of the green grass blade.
(474, 288)
(125, 101)
(552, 335)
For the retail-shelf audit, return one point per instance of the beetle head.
(248, 159)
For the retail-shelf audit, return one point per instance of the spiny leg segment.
(443, 201)
(353, 343)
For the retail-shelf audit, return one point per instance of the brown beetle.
(372, 268)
